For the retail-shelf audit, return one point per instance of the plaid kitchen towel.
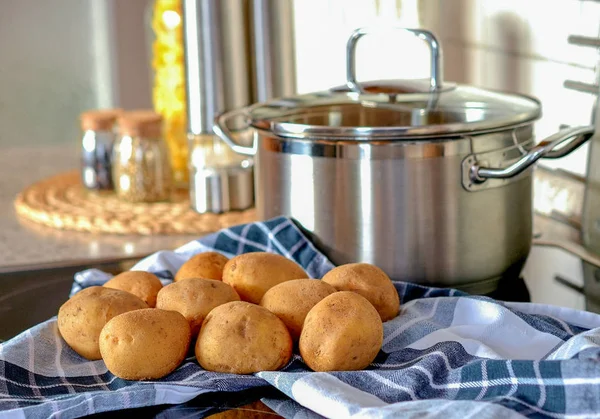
(447, 354)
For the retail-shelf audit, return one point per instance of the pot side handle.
(553, 147)
(221, 129)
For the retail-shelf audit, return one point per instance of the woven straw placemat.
(62, 202)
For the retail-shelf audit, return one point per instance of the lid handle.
(435, 79)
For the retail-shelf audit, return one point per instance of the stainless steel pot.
(431, 181)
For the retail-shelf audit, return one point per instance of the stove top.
(554, 276)
(512, 289)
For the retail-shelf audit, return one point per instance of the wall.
(511, 45)
(46, 69)
(323, 27)
(522, 46)
(60, 57)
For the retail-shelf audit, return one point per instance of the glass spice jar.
(98, 137)
(141, 162)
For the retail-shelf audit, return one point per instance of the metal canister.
(216, 60)
(273, 49)
(218, 78)
(98, 136)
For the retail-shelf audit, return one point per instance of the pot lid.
(461, 110)
(394, 109)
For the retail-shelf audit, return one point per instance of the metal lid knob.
(435, 79)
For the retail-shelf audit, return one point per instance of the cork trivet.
(62, 202)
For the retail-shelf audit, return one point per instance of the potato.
(195, 298)
(254, 410)
(144, 285)
(82, 317)
(370, 282)
(243, 338)
(342, 332)
(207, 265)
(145, 344)
(253, 274)
(292, 300)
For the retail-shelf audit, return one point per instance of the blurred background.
(60, 57)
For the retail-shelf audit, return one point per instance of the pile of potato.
(243, 315)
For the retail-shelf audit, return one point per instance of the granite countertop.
(26, 245)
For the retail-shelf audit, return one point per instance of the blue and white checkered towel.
(446, 355)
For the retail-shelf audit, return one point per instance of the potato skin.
(370, 282)
(253, 274)
(292, 300)
(145, 344)
(342, 332)
(82, 317)
(243, 338)
(142, 284)
(207, 265)
(194, 298)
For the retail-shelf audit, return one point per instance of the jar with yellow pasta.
(141, 163)
(168, 90)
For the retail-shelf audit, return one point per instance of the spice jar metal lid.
(141, 123)
(396, 109)
(220, 179)
(223, 188)
(99, 119)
